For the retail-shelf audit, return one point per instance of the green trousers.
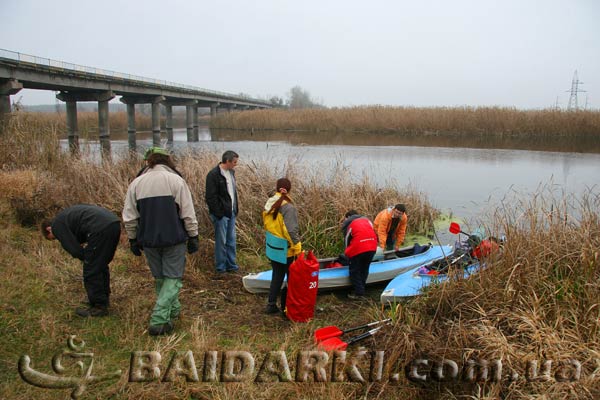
(167, 304)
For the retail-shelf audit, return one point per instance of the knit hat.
(283, 183)
(155, 150)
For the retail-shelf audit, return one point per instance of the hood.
(349, 220)
(271, 201)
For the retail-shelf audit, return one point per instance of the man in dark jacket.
(100, 229)
(360, 241)
(222, 201)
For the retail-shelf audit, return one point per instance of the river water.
(466, 182)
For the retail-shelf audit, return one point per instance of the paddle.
(473, 240)
(455, 228)
(327, 332)
(385, 253)
(335, 343)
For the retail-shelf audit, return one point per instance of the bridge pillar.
(104, 128)
(72, 128)
(213, 109)
(131, 101)
(5, 107)
(169, 123)
(189, 122)
(103, 122)
(7, 88)
(196, 129)
(156, 124)
(131, 131)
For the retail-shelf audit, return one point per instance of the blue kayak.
(339, 277)
(410, 284)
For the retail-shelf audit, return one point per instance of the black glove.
(135, 248)
(193, 245)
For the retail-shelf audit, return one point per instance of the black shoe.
(271, 309)
(354, 296)
(164, 329)
(95, 311)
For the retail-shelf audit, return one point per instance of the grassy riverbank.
(538, 302)
(420, 121)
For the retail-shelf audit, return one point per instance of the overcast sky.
(518, 53)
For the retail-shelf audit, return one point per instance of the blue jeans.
(224, 243)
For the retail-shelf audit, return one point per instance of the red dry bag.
(303, 283)
(485, 248)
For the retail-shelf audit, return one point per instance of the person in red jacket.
(360, 241)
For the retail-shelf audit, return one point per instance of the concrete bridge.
(78, 83)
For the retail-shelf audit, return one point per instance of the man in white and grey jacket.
(159, 218)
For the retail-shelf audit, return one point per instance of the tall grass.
(87, 122)
(419, 121)
(55, 180)
(537, 302)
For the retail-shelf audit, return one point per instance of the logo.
(360, 366)
(79, 381)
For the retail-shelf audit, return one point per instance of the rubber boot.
(166, 302)
(158, 283)
(176, 309)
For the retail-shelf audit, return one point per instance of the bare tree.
(300, 98)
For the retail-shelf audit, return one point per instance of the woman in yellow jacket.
(280, 219)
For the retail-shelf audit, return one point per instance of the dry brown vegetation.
(54, 180)
(539, 301)
(87, 122)
(419, 121)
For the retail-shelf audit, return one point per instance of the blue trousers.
(224, 243)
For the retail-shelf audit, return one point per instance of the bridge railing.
(46, 62)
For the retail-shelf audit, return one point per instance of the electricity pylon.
(574, 90)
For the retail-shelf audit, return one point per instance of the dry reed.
(87, 122)
(419, 121)
(537, 302)
(321, 197)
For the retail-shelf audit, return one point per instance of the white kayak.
(339, 277)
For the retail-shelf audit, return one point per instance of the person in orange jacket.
(390, 225)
